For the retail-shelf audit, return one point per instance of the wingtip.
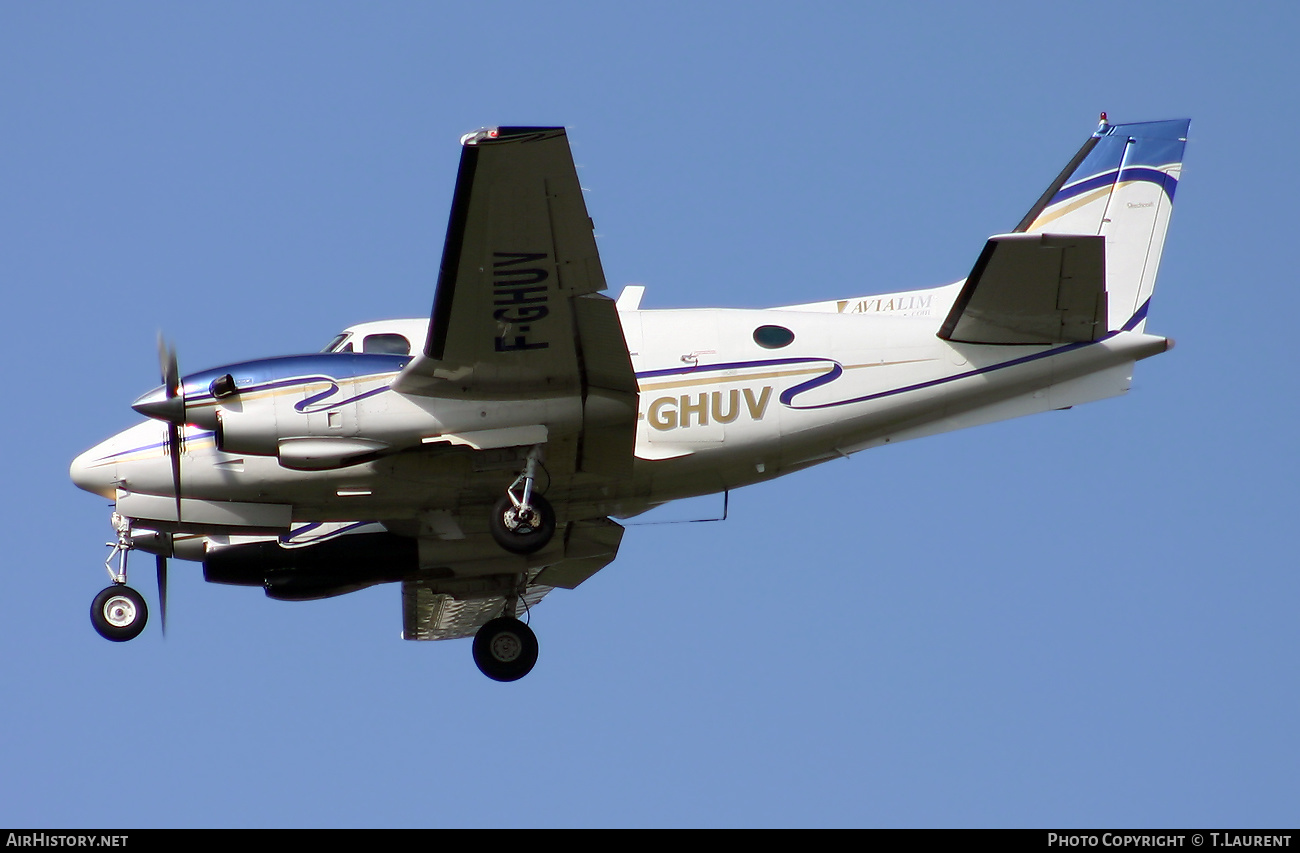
(479, 135)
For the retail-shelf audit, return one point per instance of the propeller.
(167, 404)
(174, 400)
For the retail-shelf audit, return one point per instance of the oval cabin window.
(773, 337)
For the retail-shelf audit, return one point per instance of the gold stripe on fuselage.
(307, 388)
(771, 374)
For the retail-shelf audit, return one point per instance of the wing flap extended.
(1033, 289)
(430, 615)
(438, 608)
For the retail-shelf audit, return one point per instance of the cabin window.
(773, 337)
(387, 344)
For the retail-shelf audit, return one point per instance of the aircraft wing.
(517, 309)
(1033, 289)
(517, 313)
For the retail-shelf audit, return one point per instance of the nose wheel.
(119, 613)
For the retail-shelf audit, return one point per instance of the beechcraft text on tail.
(480, 456)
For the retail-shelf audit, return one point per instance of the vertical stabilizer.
(1119, 186)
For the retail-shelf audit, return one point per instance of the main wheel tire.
(119, 613)
(505, 649)
(522, 533)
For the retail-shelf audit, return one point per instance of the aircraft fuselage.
(326, 435)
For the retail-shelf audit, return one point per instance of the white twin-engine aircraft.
(478, 457)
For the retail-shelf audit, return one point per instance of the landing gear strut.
(523, 523)
(119, 612)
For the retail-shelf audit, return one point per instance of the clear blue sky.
(1084, 618)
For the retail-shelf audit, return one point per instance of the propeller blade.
(162, 592)
(168, 402)
(174, 449)
(171, 377)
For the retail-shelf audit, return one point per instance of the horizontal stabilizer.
(1033, 289)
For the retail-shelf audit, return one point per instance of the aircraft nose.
(94, 473)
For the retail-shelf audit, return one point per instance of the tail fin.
(1119, 186)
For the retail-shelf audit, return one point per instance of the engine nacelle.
(322, 454)
(308, 572)
(255, 434)
(249, 431)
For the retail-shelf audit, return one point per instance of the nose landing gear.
(119, 613)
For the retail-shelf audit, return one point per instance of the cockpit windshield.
(336, 345)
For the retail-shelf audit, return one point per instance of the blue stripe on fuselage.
(835, 369)
(268, 373)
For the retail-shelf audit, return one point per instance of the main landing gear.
(119, 612)
(505, 648)
(523, 522)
